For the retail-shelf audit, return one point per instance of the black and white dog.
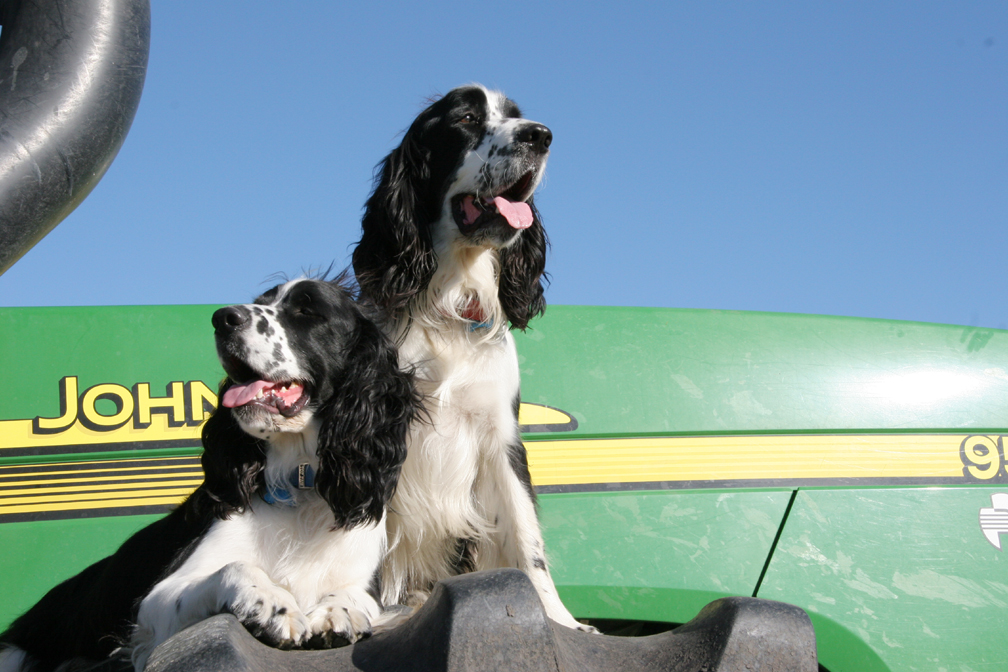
(287, 531)
(453, 251)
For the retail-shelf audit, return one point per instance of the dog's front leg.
(517, 540)
(268, 611)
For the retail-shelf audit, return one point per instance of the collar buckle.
(302, 477)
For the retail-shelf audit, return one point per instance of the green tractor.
(854, 468)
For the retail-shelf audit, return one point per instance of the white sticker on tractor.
(994, 520)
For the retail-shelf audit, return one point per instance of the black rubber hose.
(71, 75)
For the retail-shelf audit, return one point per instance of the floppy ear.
(394, 258)
(522, 270)
(233, 463)
(362, 435)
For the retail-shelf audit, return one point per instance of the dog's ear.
(363, 428)
(522, 272)
(233, 463)
(394, 259)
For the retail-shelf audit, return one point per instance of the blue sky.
(843, 158)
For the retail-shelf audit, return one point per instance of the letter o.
(117, 394)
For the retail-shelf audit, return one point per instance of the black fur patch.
(465, 556)
(518, 457)
(374, 588)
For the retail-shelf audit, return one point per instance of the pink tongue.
(239, 395)
(470, 211)
(518, 215)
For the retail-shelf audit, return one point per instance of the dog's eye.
(303, 306)
(307, 310)
(469, 118)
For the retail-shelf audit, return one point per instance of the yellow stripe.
(8, 504)
(19, 434)
(145, 501)
(93, 479)
(108, 487)
(124, 460)
(716, 458)
(594, 461)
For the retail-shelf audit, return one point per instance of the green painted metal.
(658, 555)
(651, 555)
(38, 555)
(642, 371)
(904, 570)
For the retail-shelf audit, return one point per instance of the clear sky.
(837, 158)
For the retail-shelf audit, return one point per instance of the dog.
(453, 252)
(287, 531)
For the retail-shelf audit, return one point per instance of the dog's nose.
(231, 319)
(536, 135)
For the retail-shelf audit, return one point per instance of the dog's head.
(303, 360)
(463, 177)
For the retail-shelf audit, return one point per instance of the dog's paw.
(590, 629)
(268, 612)
(339, 619)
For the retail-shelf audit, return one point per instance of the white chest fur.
(470, 383)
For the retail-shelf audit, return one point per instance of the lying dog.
(453, 251)
(287, 531)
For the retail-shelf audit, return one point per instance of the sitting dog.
(453, 252)
(287, 531)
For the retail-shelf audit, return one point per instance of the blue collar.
(473, 326)
(301, 477)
